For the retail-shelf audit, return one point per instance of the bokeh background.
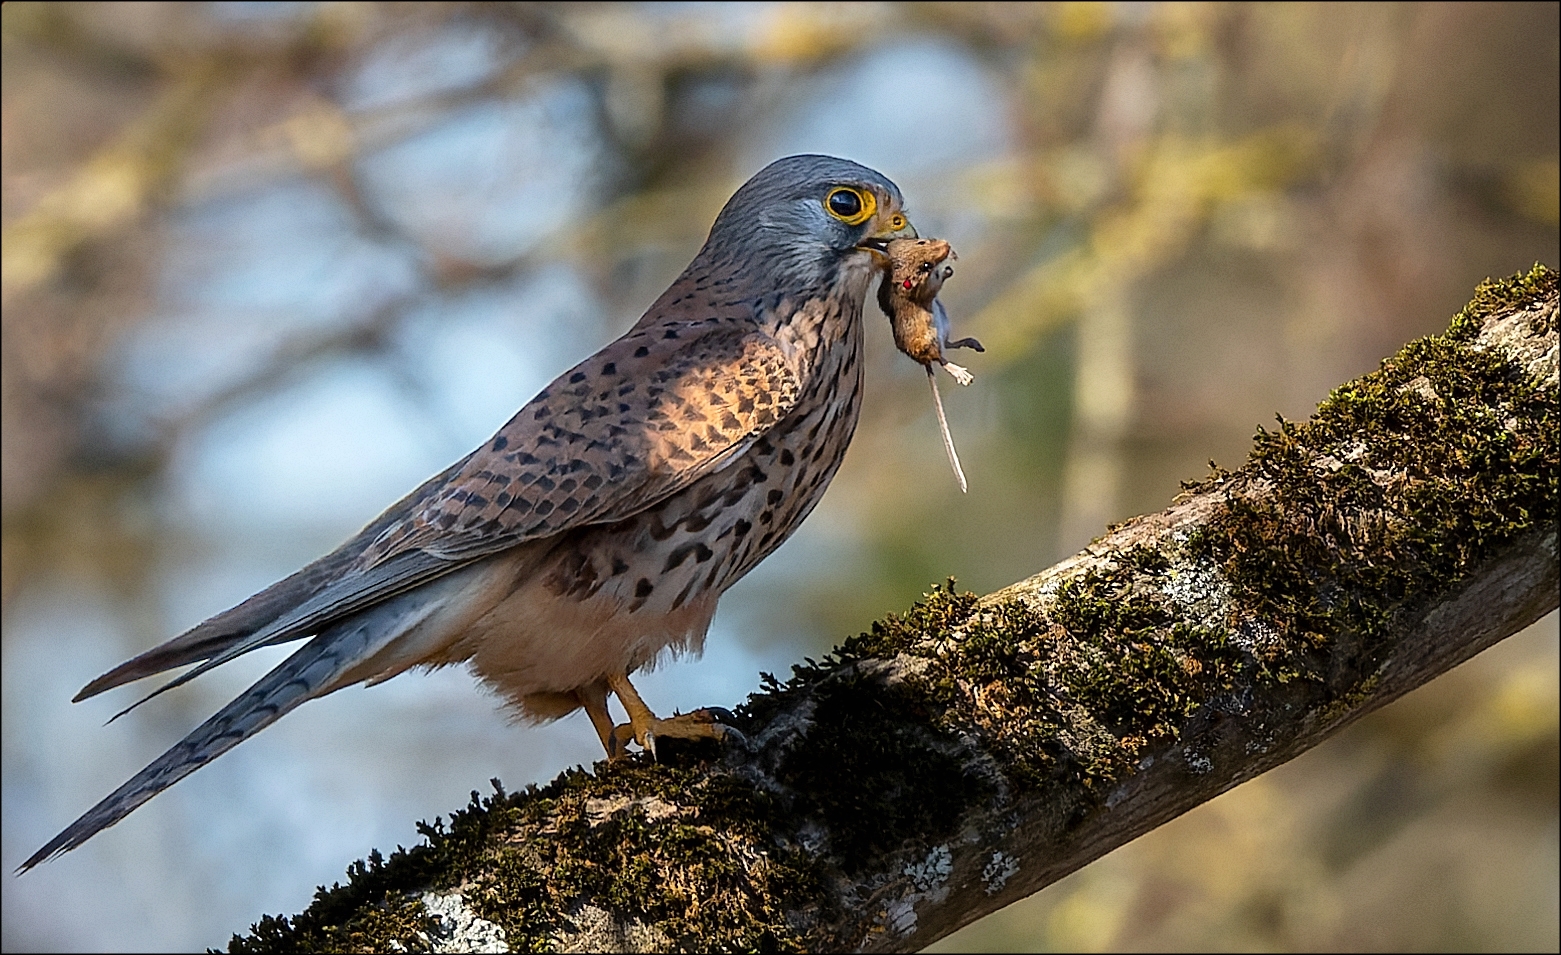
(267, 266)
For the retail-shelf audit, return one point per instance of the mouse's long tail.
(943, 425)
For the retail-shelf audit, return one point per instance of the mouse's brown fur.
(908, 295)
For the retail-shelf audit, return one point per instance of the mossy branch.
(966, 754)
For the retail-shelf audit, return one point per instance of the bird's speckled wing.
(636, 422)
(639, 420)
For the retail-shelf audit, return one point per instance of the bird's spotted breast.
(702, 540)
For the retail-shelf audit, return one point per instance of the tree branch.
(975, 750)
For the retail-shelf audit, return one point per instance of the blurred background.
(268, 266)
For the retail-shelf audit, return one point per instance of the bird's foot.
(709, 723)
(644, 726)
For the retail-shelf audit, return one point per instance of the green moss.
(710, 877)
(1524, 290)
(708, 872)
(906, 777)
(1349, 701)
(713, 881)
(374, 908)
(1074, 695)
(1397, 486)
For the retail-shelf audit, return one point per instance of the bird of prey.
(601, 524)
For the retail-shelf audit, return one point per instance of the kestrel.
(600, 525)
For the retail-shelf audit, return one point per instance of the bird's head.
(811, 223)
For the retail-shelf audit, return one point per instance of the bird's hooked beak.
(888, 228)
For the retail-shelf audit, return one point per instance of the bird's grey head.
(810, 223)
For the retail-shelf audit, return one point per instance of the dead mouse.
(909, 296)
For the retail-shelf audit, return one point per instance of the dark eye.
(851, 206)
(845, 203)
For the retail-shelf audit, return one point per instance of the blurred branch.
(110, 190)
(972, 752)
(1173, 190)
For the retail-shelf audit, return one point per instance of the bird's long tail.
(315, 669)
(943, 425)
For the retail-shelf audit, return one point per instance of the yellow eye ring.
(851, 206)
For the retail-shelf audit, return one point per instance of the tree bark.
(967, 754)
